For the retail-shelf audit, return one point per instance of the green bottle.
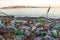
(18, 32)
(42, 34)
(54, 33)
(42, 20)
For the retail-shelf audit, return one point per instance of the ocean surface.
(32, 12)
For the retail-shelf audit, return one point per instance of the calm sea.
(32, 12)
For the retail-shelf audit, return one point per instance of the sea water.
(32, 12)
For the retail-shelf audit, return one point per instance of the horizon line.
(33, 6)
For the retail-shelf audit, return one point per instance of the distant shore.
(26, 7)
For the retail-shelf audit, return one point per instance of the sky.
(4, 3)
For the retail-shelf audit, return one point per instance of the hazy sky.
(29, 2)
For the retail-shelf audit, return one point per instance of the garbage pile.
(28, 30)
